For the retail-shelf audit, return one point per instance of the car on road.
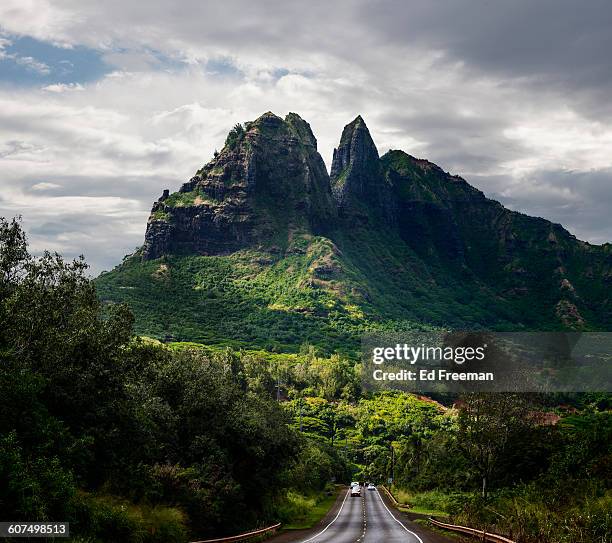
(355, 483)
(371, 487)
(355, 491)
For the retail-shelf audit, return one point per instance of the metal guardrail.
(390, 496)
(483, 535)
(242, 537)
(398, 505)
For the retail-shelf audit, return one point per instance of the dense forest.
(126, 440)
(130, 439)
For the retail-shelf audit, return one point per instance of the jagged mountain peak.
(267, 179)
(357, 121)
(271, 125)
(302, 129)
(268, 117)
(357, 178)
(356, 137)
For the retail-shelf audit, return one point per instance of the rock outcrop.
(267, 182)
(358, 181)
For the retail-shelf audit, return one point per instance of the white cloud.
(561, 139)
(46, 186)
(39, 19)
(4, 43)
(28, 62)
(32, 64)
(64, 87)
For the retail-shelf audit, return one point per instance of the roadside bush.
(110, 519)
(525, 516)
(294, 506)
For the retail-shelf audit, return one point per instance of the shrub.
(108, 518)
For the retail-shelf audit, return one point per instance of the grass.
(434, 502)
(446, 533)
(529, 513)
(246, 300)
(178, 199)
(182, 199)
(305, 511)
(161, 215)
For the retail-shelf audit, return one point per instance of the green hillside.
(263, 248)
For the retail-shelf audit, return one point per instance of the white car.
(371, 487)
(355, 483)
(355, 491)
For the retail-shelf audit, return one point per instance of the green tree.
(486, 425)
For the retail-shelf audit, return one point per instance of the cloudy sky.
(105, 103)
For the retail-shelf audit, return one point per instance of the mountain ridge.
(389, 241)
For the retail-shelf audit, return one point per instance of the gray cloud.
(121, 187)
(547, 43)
(580, 199)
(514, 96)
(103, 240)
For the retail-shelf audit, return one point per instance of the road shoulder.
(297, 535)
(429, 536)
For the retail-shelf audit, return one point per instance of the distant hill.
(263, 248)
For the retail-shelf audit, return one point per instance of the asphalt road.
(383, 524)
(348, 526)
(368, 520)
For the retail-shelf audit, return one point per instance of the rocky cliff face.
(267, 182)
(358, 181)
(427, 234)
(526, 260)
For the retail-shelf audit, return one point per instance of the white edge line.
(393, 517)
(334, 520)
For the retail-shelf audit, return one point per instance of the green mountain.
(263, 248)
